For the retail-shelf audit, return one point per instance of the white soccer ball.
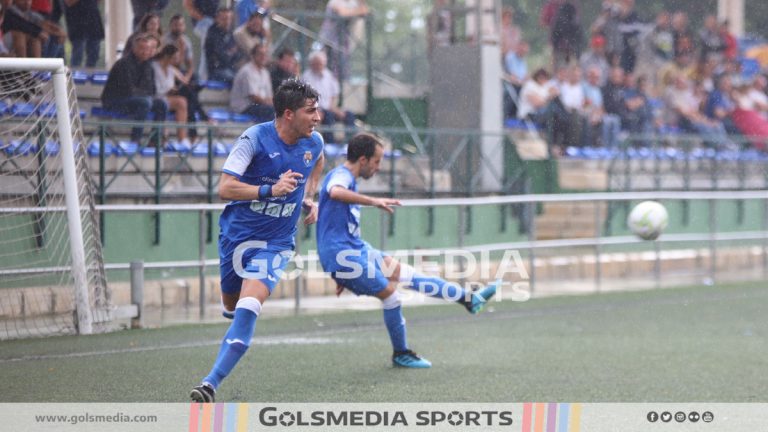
(648, 219)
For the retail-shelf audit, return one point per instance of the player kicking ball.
(356, 265)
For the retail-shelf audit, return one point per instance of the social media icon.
(693, 416)
(707, 417)
(680, 416)
(666, 416)
(653, 416)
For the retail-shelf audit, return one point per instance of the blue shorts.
(364, 276)
(266, 264)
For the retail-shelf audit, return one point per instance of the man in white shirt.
(252, 88)
(322, 80)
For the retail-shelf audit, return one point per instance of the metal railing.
(595, 245)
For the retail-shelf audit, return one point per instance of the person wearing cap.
(596, 58)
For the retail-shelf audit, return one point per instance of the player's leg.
(261, 276)
(402, 356)
(438, 287)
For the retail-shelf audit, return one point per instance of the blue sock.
(437, 287)
(393, 318)
(235, 343)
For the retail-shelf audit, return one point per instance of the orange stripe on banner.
(207, 416)
(194, 417)
(541, 410)
(242, 417)
(575, 418)
(527, 408)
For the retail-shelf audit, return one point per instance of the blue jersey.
(258, 158)
(338, 223)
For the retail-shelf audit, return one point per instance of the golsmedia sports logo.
(273, 417)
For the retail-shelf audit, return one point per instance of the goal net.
(52, 277)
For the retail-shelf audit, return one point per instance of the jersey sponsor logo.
(307, 158)
(273, 209)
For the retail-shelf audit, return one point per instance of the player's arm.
(232, 189)
(310, 189)
(340, 193)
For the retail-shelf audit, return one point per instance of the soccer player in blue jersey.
(272, 172)
(357, 266)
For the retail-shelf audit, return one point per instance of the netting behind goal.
(39, 294)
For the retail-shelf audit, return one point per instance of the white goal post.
(43, 164)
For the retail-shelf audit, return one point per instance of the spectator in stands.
(515, 74)
(177, 26)
(52, 48)
(683, 36)
(731, 51)
(631, 28)
(720, 106)
(13, 23)
(203, 14)
(610, 125)
(565, 34)
(166, 76)
(750, 113)
(283, 68)
(189, 88)
(342, 27)
(220, 48)
(130, 87)
(86, 31)
(149, 23)
(636, 115)
(607, 26)
(245, 8)
(683, 64)
(252, 33)
(661, 39)
(596, 58)
(704, 73)
(321, 79)
(439, 25)
(25, 44)
(710, 39)
(540, 103)
(4, 51)
(613, 97)
(144, 7)
(511, 35)
(574, 100)
(252, 88)
(684, 110)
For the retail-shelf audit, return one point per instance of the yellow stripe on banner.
(242, 417)
(540, 411)
(207, 416)
(575, 418)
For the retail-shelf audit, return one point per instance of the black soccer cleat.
(203, 394)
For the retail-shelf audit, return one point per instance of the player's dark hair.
(362, 145)
(292, 95)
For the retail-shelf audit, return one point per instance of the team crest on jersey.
(307, 158)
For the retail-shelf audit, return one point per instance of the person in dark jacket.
(221, 52)
(85, 29)
(130, 87)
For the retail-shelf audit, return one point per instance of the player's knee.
(406, 273)
(392, 301)
(250, 303)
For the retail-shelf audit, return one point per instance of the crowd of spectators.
(635, 77)
(160, 73)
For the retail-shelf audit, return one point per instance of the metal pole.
(531, 210)
(598, 264)
(657, 263)
(72, 196)
(201, 251)
(712, 241)
(137, 293)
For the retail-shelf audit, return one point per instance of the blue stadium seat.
(749, 68)
(21, 148)
(43, 76)
(218, 114)
(177, 147)
(148, 151)
(93, 149)
(99, 78)
(23, 109)
(52, 148)
(241, 118)
(395, 154)
(201, 149)
(80, 77)
(126, 148)
(3, 108)
(215, 85)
